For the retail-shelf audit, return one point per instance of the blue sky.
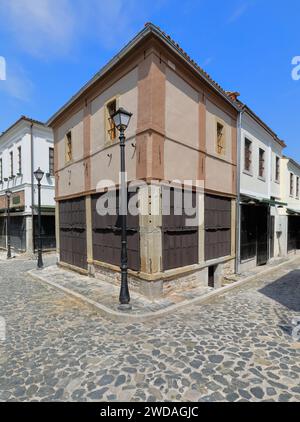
(52, 47)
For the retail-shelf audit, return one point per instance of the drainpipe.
(32, 182)
(238, 206)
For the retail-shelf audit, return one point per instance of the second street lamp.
(121, 120)
(39, 174)
(8, 194)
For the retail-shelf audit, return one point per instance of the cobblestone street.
(237, 348)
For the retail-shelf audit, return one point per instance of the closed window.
(291, 184)
(51, 161)
(261, 171)
(297, 187)
(111, 130)
(217, 219)
(248, 155)
(69, 146)
(11, 155)
(19, 160)
(220, 138)
(277, 169)
(1, 170)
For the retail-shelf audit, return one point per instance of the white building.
(290, 192)
(260, 229)
(25, 146)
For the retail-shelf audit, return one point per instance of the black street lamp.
(8, 194)
(39, 174)
(121, 120)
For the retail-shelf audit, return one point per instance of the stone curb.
(131, 317)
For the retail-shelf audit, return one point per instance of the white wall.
(288, 167)
(42, 140)
(251, 183)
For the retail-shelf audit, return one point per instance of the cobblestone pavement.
(238, 348)
(107, 294)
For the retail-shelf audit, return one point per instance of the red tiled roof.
(200, 69)
(149, 28)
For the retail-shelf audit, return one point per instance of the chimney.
(233, 95)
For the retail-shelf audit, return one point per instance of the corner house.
(184, 127)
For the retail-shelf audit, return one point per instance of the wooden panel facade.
(217, 227)
(107, 237)
(73, 244)
(180, 242)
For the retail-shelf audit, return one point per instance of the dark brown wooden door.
(18, 233)
(73, 247)
(180, 242)
(293, 233)
(217, 227)
(272, 236)
(248, 232)
(3, 232)
(107, 237)
(262, 220)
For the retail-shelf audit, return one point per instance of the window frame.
(19, 160)
(248, 170)
(1, 169)
(291, 185)
(297, 187)
(262, 164)
(69, 146)
(221, 143)
(277, 169)
(51, 162)
(11, 162)
(109, 126)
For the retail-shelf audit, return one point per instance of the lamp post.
(121, 120)
(39, 174)
(8, 196)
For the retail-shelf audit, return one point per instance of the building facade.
(184, 128)
(290, 215)
(25, 146)
(260, 231)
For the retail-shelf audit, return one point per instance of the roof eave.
(127, 49)
(264, 125)
(20, 120)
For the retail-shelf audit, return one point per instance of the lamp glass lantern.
(39, 174)
(121, 119)
(8, 193)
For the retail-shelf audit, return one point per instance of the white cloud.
(117, 20)
(17, 84)
(53, 27)
(40, 27)
(238, 13)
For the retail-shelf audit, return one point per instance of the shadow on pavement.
(285, 290)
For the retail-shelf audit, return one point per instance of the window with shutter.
(11, 154)
(220, 138)
(19, 160)
(51, 161)
(261, 163)
(291, 184)
(248, 155)
(277, 169)
(69, 146)
(111, 108)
